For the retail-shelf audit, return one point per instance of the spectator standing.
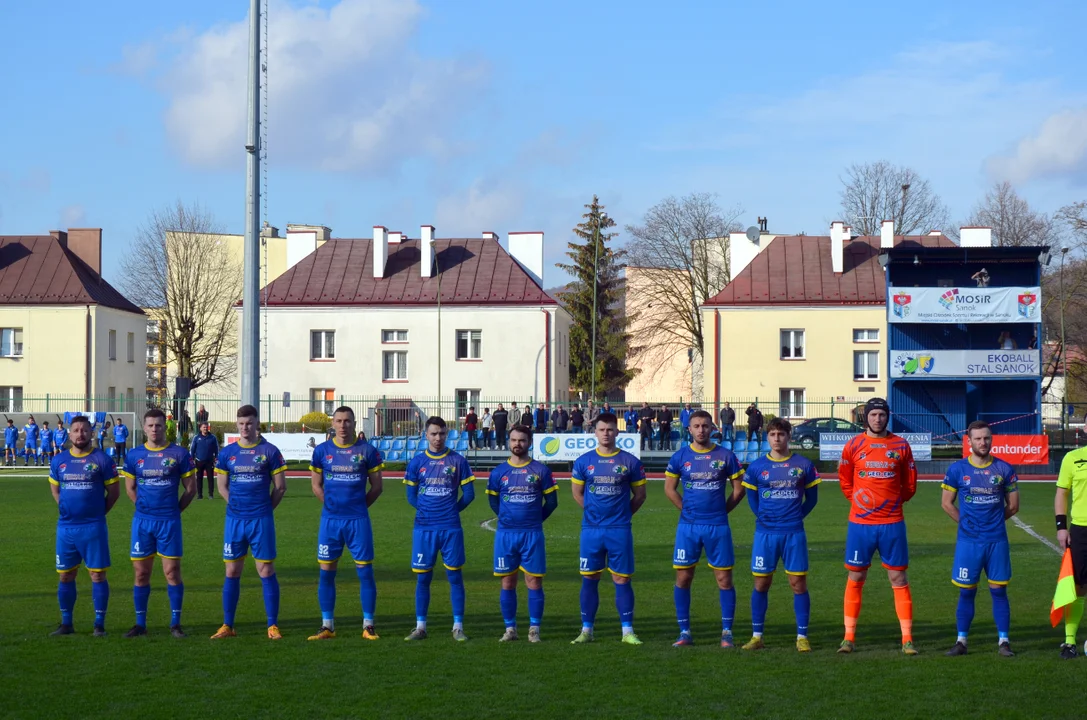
(104, 432)
(487, 424)
(577, 419)
(171, 428)
(645, 415)
(120, 439)
(541, 418)
(592, 414)
(184, 426)
(201, 416)
(471, 424)
(526, 417)
(664, 421)
(685, 422)
(204, 449)
(728, 423)
(630, 417)
(501, 422)
(754, 423)
(560, 419)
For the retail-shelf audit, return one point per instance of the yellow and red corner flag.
(1065, 594)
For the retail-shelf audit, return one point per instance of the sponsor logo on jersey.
(894, 455)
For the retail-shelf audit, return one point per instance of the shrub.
(316, 421)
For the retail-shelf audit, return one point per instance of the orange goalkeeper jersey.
(877, 475)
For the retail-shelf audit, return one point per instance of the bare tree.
(679, 258)
(874, 192)
(1073, 219)
(190, 281)
(1013, 221)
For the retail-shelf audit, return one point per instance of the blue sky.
(476, 115)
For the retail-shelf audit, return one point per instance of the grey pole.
(250, 369)
(596, 266)
(1064, 350)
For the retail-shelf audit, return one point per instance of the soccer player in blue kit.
(45, 445)
(987, 489)
(251, 475)
(30, 443)
(522, 494)
(784, 489)
(434, 479)
(153, 474)
(710, 479)
(339, 471)
(60, 438)
(11, 437)
(85, 487)
(609, 484)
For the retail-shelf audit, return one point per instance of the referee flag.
(1065, 594)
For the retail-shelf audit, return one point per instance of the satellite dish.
(753, 233)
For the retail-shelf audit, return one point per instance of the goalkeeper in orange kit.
(877, 476)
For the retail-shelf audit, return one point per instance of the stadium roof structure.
(798, 270)
(474, 271)
(43, 270)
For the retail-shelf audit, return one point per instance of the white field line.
(1034, 534)
(489, 524)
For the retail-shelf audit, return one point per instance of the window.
(394, 336)
(11, 342)
(153, 354)
(112, 344)
(865, 365)
(11, 399)
(792, 402)
(130, 399)
(469, 344)
(322, 400)
(467, 399)
(322, 344)
(792, 344)
(867, 335)
(394, 365)
(132, 347)
(111, 396)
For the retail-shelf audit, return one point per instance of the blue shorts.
(87, 544)
(244, 534)
(971, 557)
(691, 539)
(769, 547)
(46, 448)
(608, 548)
(150, 537)
(426, 544)
(354, 533)
(862, 541)
(520, 550)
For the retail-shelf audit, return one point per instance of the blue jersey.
(82, 479)
(705, 479)
(608, 480)
(249, 470)
(120, 434)
(60, 436)
(520, 490)
(204, 448)
(345, 470)
(11, 436)
(981, 491)
(781, 485)
(439, 478)
(46, 442)
(32, 434)
(158, 473)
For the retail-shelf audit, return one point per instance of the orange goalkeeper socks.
(853, 590)
(904, 610)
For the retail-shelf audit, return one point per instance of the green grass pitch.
(82, 677)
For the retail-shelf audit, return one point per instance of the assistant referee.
(1071, 515)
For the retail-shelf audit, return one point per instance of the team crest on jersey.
(448, 470)
(894, 455)
(996, 480)
(168, 463)
(356, 458)
(717, 464)
(591, 469)
(505, 479)
(532, 479)
(965, 479)
(62, 467)
(687, 466)
(139, 463)
(863, 455)
(90, 467)
(329, 458)
(620, 469)
(765, 475)
(260, 459)
(796, 472)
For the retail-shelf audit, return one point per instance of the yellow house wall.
(664, 374)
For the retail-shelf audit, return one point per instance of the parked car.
(806, 434)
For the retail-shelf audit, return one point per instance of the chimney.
(975, 237)
(488, 235)
(887, 234)
(395, 237)
(302, 242)
(527, 249)
(935, 233)
(86, 243)
(837, 246)
(426, 251)
(381, 250)
(269, 231)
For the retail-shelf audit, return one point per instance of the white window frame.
(790, 336)
(11, 398)
(112, 344)
(792, 405)
(473, 341)
(322, 400)
(400, 369)
(322, 351)
(132, 347)
(861, 377)
(394, 337)
(14, 342)
(865, 335)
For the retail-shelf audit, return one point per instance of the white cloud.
(347, 90)
(73, 216)
(1058, 148)
(137, 60)
(481, 207)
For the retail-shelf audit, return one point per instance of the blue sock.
(140, 596)
(682, 598)
(456, 593)
(66, 594)
(176, 593)
(422, 595)
(802, 608)
(367, 592)
(507, 601)
(759, 601)
(964, 613)
(728, 608)
(535, 606)
(326, 596)
(1002, 611)
(232, 588)
(270, 585)
(624, 603)
(100, 598)
(590, 600)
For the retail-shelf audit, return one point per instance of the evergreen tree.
(612, 334)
